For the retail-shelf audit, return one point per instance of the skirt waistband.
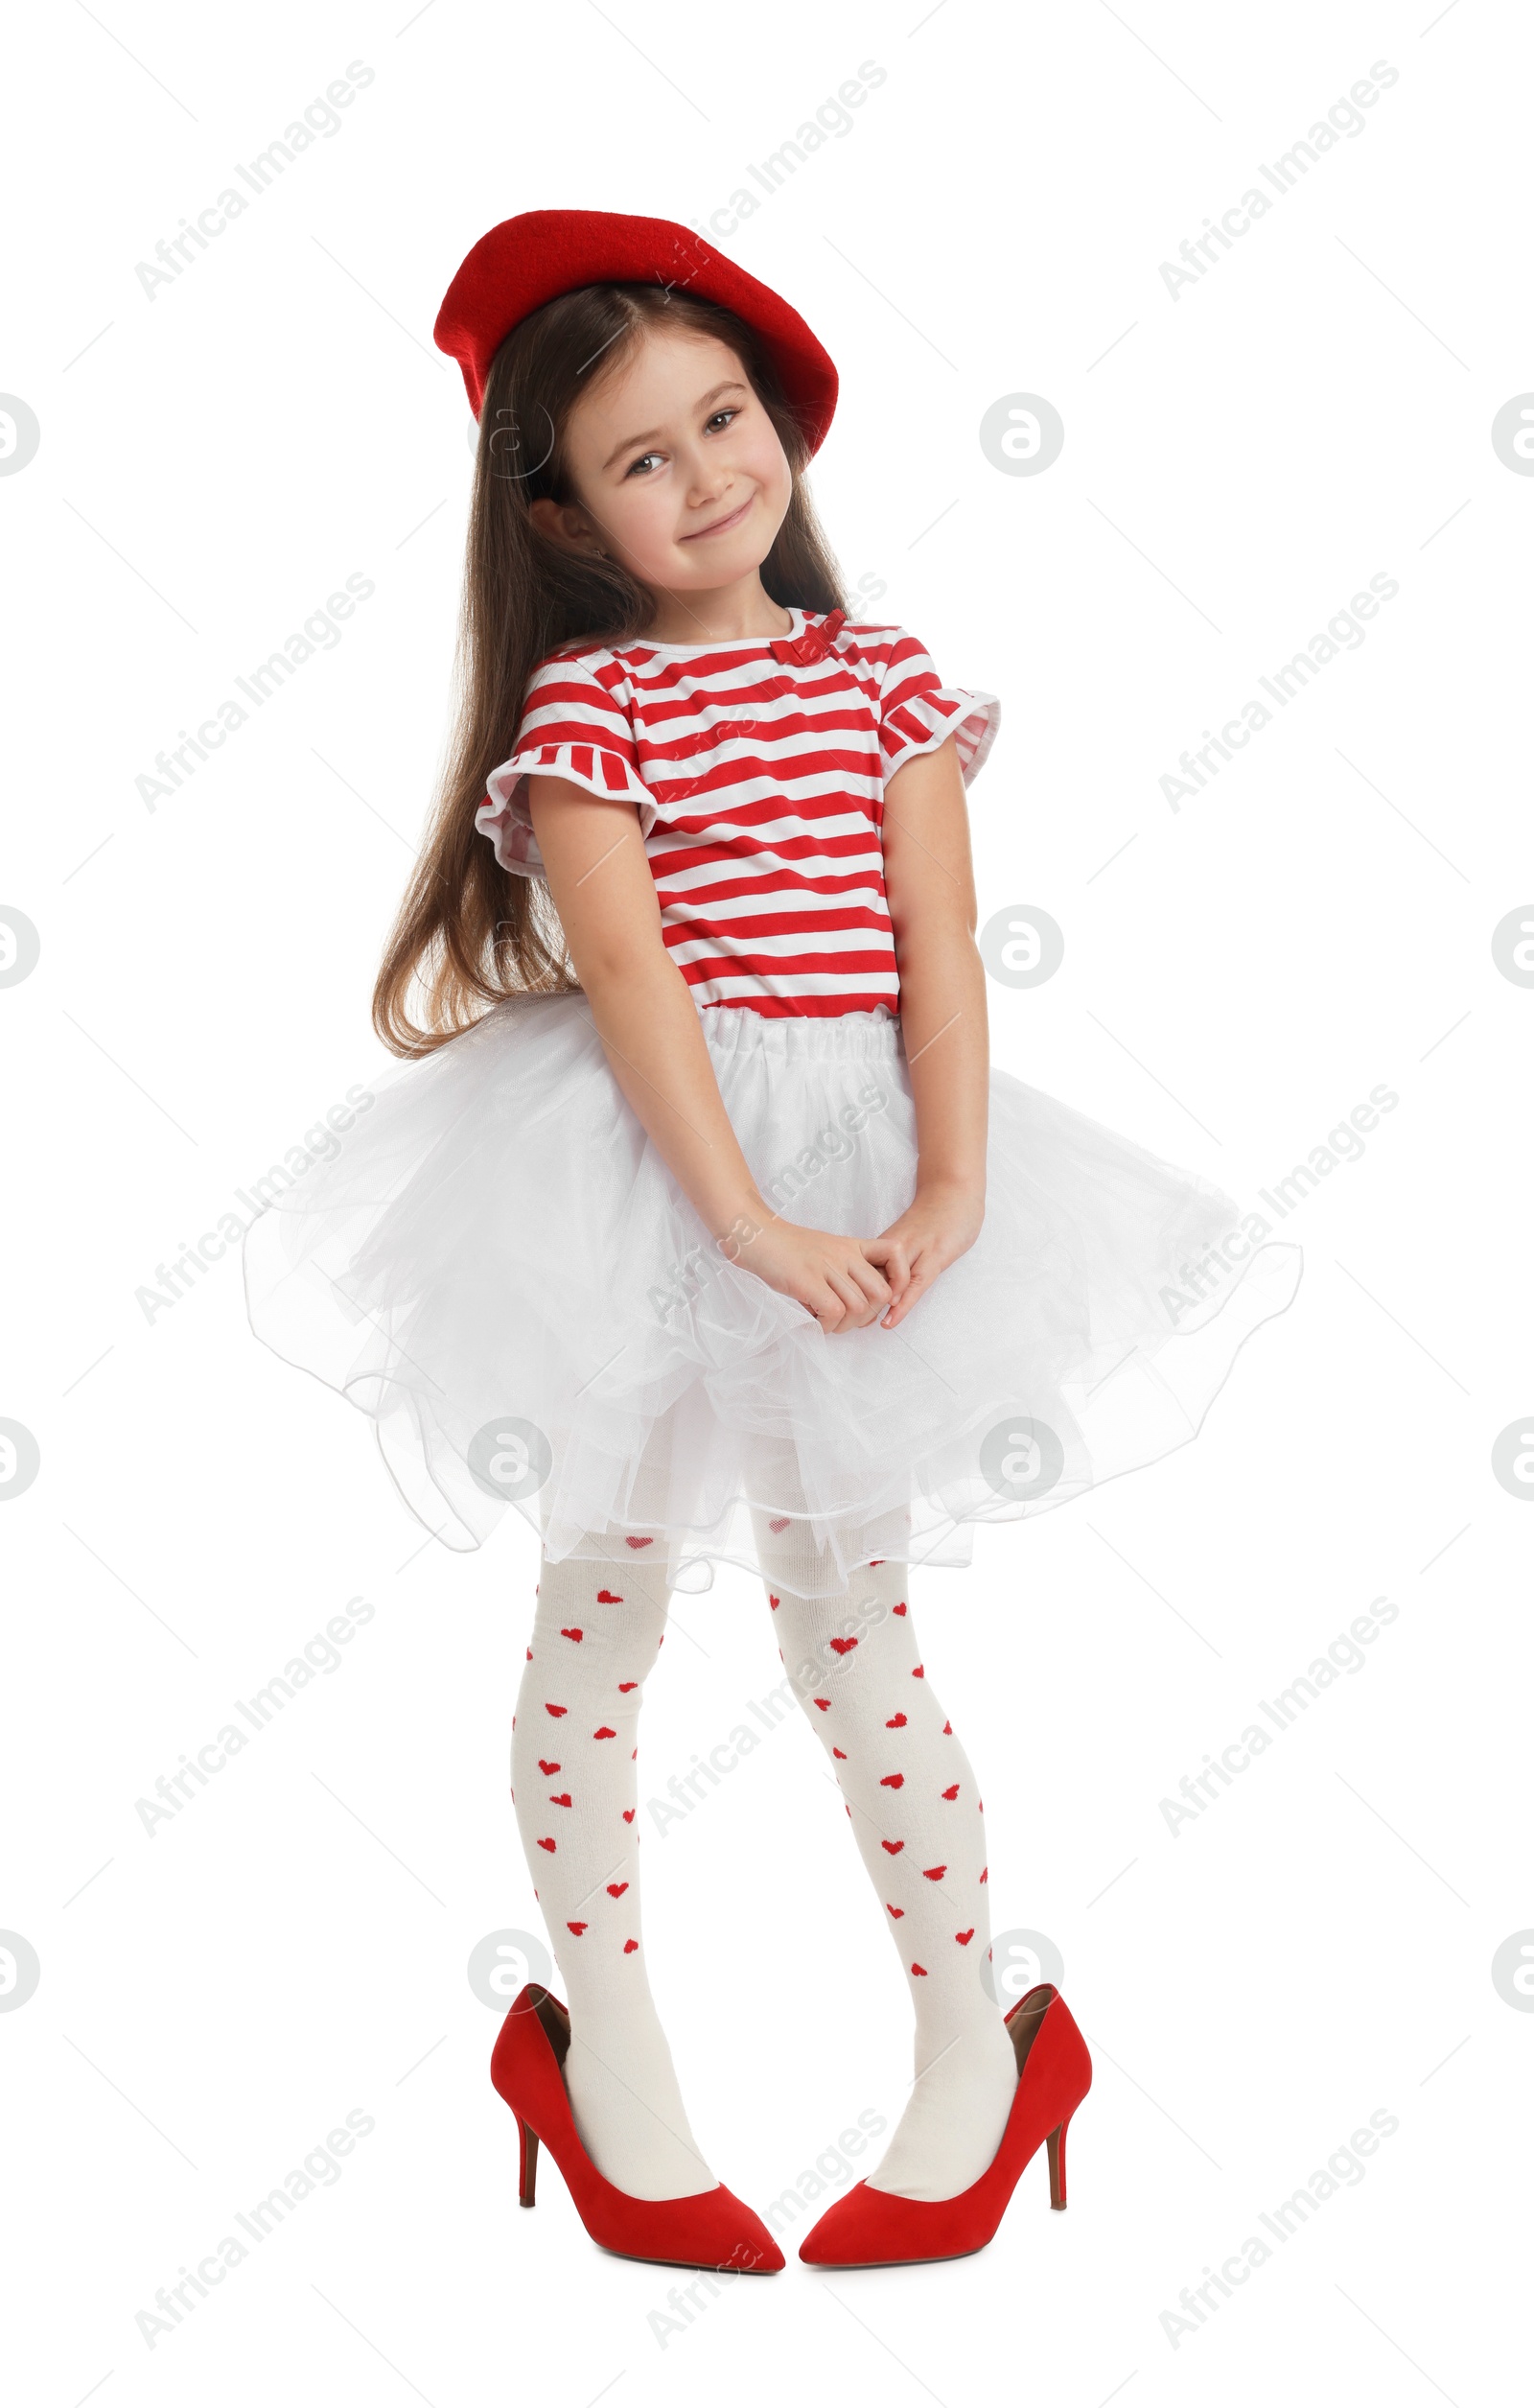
(733, 1028)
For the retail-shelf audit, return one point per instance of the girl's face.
(678, 469)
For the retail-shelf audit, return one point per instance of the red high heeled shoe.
(711, 2229)
(878, 2228)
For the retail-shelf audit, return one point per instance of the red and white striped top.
(757, 767)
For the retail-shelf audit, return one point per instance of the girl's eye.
(733, 410)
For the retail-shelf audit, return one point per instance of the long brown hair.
(461, 934)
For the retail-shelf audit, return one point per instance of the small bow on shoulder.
(813, 644)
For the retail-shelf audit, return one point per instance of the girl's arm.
(929, 884)
(603, 890)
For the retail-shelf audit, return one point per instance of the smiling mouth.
(719, 525)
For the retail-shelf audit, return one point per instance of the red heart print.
(576, 1927)
(893, 1780)
(549, 1844)
(628, 1814)
(953, 1792)
(638, 1542)
(919, 1672)
(616, 1889)
(896, 1722)
(629, 1947)
(964, 1938)
(892, 1847)
(919, 1968)
(780, 1523)
(985, 1875)
(899, 1609)
(875, 1563)
(529, 1655)
(844, 1647)
(933, 1872)
(947, 1730)
(823, 1704)
(773, 1601)
(847, 1811)
(604, 1733)
(546, 1769)
(559, 1801)
(624, 1686)
(840, 1751)
(577, 1635)
(556, 1710)
(897, 1912)
(607, 1597)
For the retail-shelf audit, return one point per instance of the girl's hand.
(832, 1276)
(942, 1222)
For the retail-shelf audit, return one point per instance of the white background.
(1238, 462)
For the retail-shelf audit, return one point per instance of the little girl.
(701, 1229)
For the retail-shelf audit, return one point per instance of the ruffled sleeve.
(918, 711)
(573, 727)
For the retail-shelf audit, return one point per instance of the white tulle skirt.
(498, 1266)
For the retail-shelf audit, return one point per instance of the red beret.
(526, 261)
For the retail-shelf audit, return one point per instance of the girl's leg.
(855, 1665)
(597, 1633)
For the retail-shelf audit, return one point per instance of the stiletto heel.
(711, 2229)
(528, 2167)
(880, 2227)
(1056, 2165)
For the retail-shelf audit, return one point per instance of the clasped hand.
(847, 1282)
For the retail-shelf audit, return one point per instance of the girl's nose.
(706, 492)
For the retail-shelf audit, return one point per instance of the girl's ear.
(563, 524)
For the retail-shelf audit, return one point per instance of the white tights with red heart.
(597, 1633)
(916, 1813)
